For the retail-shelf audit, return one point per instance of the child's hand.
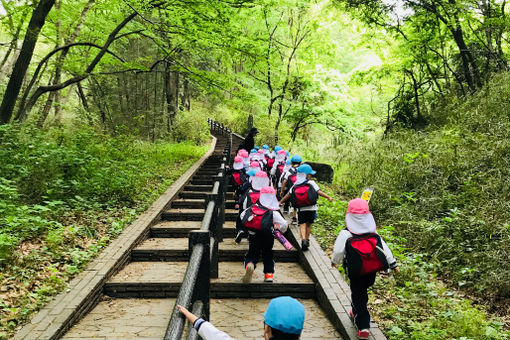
(276, 226)
(397, 270)
(190, 316)
(330, 199)
(333, 265)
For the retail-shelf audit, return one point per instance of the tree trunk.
(185, 97)
(104, 49)
(83, 98)
(14, 42)
(21, 66)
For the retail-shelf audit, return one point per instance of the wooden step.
(193, 195)
(177, 229)
(189, 203)
(163, 279)
(201, 188)
(183, 214)
(176, 249)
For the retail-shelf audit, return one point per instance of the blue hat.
(288, 154)
(265, 147)
(285, 314)
(296, 159)
(288, 161)
(307, 169)
(251, 172)
(256, 147)
(277, 148)
(253, 150)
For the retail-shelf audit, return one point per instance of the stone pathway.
(139, 296)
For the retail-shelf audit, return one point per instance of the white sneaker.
(248, 273)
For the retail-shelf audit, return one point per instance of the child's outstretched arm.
(285, 198)
(392, 263)
(323, 194)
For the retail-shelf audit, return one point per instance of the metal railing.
(203, 249)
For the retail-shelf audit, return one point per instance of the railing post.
(214, 258)
(221, 205)
(203, 283)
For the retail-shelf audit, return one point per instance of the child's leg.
(359, 286)
(308, 230)
(267, 251)
(254, 249)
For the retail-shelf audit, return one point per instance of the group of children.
(266, 179)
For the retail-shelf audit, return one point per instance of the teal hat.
(288, 161)
(277, 148)
(307, 169)
(296, 159)
(253, 150)
(285, 314)
(265, 147)
(288, 154)
(251, 172)
(256, 147)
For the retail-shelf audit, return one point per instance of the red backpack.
(257, 218)
(254, 197)
(239, 178)
(279, 170)
(304, 195)
(364, 254)
(291, 179)
(270, 162)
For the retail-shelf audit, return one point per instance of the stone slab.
(243, 319)
(124, 319)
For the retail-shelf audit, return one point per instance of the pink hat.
(282, 152)
(260, 151)
(255, 164)
(358, 218)
(267, 190)
(238, 159)
(261, 174)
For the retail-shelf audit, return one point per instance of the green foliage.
(413, 304)
(445, 189)
(63, 196)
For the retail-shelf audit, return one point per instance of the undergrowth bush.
(63, 196)
(445, 189)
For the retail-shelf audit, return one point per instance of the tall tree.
(20, 67)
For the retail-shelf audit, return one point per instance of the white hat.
(268, 198)
(358, 218)
(259, 181)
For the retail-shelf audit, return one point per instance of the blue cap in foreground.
(265, 147)
(307, 169)
(296, 159)
(285, 314)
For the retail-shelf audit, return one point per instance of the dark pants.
(359, 295)
(261, 243)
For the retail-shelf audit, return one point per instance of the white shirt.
(310, 207)
(208, 332)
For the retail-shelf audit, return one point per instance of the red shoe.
(363, 334)
(268, 277)
(351, 314)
